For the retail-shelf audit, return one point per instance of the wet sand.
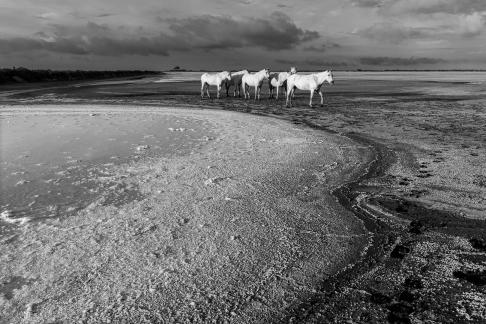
(57, 163)
(237, 226)
(420, 194)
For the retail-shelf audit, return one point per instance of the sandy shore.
(237, 228)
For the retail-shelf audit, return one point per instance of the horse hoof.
(322, 105)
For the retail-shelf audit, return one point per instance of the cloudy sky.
(224, 34)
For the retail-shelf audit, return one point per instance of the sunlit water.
(56, 164)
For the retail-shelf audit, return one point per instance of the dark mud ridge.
(422, 264)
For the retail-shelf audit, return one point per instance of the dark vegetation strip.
(23, 75)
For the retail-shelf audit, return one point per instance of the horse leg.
(218, 88)
(207, 90)
(202, 90)
(227, 89)
(276, 97)
(288, 101)
(311, 95)
(322, 98)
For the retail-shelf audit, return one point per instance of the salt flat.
(223, 221)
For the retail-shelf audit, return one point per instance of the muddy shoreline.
(393, 227)
(317, 306)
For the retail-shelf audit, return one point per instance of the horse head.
(329, 77)
(226, 75)
(293, 70)
(266, 73)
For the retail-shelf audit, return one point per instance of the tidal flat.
(370, 209)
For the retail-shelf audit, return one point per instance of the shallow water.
(453, 76)
(436, 83)
(54, 164)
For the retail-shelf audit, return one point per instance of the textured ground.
(239, 227)
(422, 198)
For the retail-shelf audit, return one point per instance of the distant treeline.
(23, 75)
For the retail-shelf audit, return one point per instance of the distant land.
(23, 75)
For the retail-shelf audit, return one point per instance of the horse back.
(273, 76)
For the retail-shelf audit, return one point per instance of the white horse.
(310, 82)
(279, 80)
(215, 79)
(254, 80)
(236, 81)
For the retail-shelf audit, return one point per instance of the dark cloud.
(27, 44)
(275, 32)
(89, 39)
(399, 61)
(285, 61)
(322, 48)
(437, 6)
(392, 32)
(313, 63)
(424, 6)
(367, 3)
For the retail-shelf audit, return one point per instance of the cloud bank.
(207, 32)
(424, 6)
